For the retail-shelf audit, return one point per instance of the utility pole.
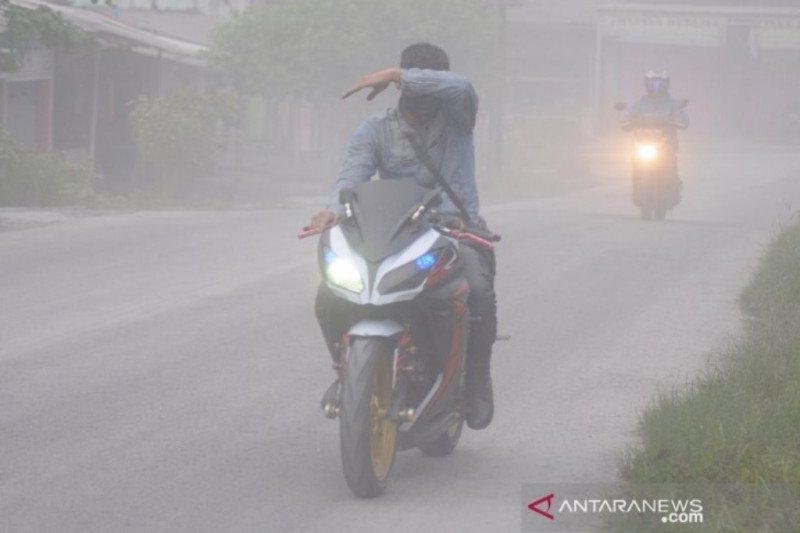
(498, 111)
(501, 93)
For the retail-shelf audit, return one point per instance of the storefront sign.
(769, 31)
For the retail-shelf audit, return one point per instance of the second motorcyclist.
(657, 108)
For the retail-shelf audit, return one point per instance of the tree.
(310, 48)
(310, 51)
(177, 136)
(24, 28)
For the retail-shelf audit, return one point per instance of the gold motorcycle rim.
(382, 430)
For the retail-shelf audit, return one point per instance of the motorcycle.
(393, 265)
(656, 185)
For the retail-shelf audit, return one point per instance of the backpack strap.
(425, 158)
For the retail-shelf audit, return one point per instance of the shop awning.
(112, 31)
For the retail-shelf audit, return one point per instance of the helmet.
(656, 82)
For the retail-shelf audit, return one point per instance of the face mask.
(421, 108)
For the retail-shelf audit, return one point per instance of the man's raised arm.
(456, 93)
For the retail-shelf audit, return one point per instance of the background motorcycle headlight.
(343, 273)
(646, 152)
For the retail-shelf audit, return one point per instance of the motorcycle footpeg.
(406, 415)
(331, 400)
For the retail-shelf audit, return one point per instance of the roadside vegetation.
(29, 178)
(733, 437)
(178, 137)
(291, 59)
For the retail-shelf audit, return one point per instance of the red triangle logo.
(534, 506)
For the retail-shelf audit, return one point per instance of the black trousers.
(478, 267)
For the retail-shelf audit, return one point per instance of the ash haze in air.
(547, 73)
(161, 366)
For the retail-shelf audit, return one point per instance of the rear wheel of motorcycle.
(445, 444)
(647, 213)
(661, 213)
(367, 436)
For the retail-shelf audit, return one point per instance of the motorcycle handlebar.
(468, 236)
(650, 123)
(457, 224)
(487, 235)
(310, 231)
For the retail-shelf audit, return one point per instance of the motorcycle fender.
(376, 328)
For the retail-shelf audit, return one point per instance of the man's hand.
(377, 80)
(323, 219)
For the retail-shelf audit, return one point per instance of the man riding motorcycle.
(659, 110)
(437, 110)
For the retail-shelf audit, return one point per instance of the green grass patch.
(738, 426)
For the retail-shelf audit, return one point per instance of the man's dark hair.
(426, 56)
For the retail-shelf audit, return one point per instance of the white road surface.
(162, 371)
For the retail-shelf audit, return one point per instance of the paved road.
(162, 371)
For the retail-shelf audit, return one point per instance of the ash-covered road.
(162, 371)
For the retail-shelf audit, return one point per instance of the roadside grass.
(732, 438)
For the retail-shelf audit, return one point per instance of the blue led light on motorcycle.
(426, 262)
(413, 274)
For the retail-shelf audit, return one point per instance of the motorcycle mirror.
(620, 106)
(683, 103)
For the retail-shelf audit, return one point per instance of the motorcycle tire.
(660, 213)
(368, 437)
(647, 213)
(445, 444)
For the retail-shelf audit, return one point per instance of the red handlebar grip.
(477, 240)
(308, 231)
(466, 236)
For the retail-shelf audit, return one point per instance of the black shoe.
(480, 404)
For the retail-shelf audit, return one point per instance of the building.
(737, 61)
(739, 65)
(77, 102)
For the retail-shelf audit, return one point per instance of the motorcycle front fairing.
(397, 276)
(382, 282)
(379, 255)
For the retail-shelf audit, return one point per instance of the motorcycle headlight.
(343, 273)
(646, 152)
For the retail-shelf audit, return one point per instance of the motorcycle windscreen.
(382, 211)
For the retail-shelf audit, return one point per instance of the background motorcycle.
(394, 267)
(656, 185)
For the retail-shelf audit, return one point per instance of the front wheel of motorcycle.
(367, 436)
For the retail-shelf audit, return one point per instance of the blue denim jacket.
(380, 144)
